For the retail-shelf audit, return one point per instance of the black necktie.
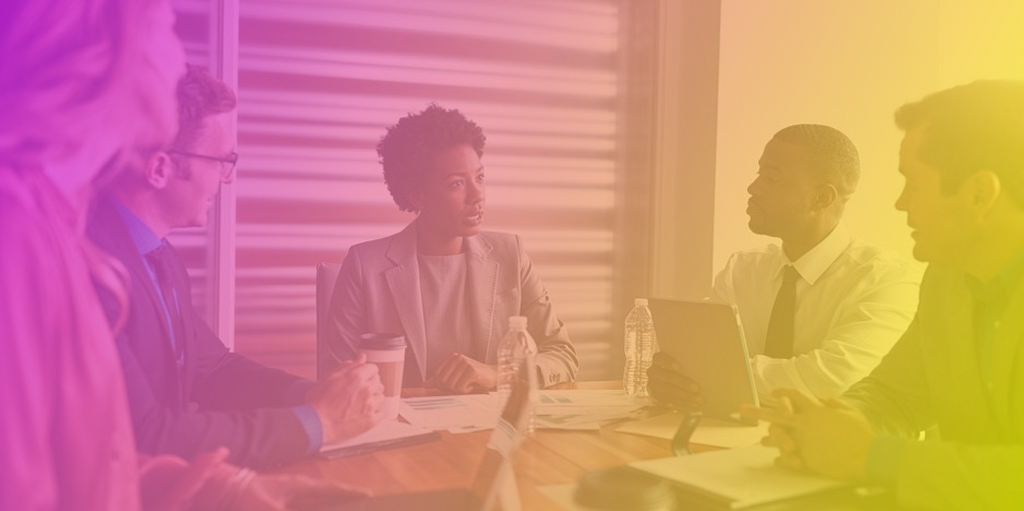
(778, 342)
(161, 261)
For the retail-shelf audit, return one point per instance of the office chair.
(326, 275)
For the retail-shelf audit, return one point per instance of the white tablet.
(707, 340)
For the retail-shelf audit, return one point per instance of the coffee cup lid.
(382, 341)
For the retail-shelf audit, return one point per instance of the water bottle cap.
(640, 302)
(517, 321)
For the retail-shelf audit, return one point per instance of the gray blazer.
(378, 290)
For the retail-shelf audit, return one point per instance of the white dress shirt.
(853, 301)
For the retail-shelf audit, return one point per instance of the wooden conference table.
(547, 457)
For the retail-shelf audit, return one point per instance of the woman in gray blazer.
(442, 282)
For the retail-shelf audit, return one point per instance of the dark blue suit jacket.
(219, 398)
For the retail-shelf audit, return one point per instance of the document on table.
(597, 401)
(457, 414)
(385, 435)
(738, 478)
(556, 409)
(711, 432)
(584, 409)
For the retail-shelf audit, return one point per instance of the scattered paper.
(384, 434)
(712, 432)
(738, 477)
(572, 422)
(601, 399)
(556, 409)
(457, 414)
(584, 409)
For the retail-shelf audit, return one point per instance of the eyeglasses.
(230, 160)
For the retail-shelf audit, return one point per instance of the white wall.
(848, 64)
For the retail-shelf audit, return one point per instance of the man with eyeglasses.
(188, 393)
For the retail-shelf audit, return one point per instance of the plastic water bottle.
(641, 342)
(512, 354)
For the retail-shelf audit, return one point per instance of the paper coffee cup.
(387, 352)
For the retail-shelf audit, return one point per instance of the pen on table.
(681, 440)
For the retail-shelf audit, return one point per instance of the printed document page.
(738, 478)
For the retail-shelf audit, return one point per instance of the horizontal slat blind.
(319, 81)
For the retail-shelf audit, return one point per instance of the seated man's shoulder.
(756, 256)
(862, 252)
(881, 261)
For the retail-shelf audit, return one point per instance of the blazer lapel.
(1005, 366)
(482, 276)
(110, 234)
(963, 362)
(404, 284)
(118, 242)
(186, 336)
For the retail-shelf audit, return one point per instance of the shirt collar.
(144, 238)
(813, 264)
(998, 289)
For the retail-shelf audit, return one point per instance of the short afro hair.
(973, 127)
(837, 157)
(408, 147)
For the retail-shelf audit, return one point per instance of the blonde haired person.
(80, 81)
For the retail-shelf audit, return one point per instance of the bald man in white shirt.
(848, 302)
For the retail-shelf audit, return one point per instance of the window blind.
(319, 82)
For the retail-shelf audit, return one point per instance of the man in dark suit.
(187, 392)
